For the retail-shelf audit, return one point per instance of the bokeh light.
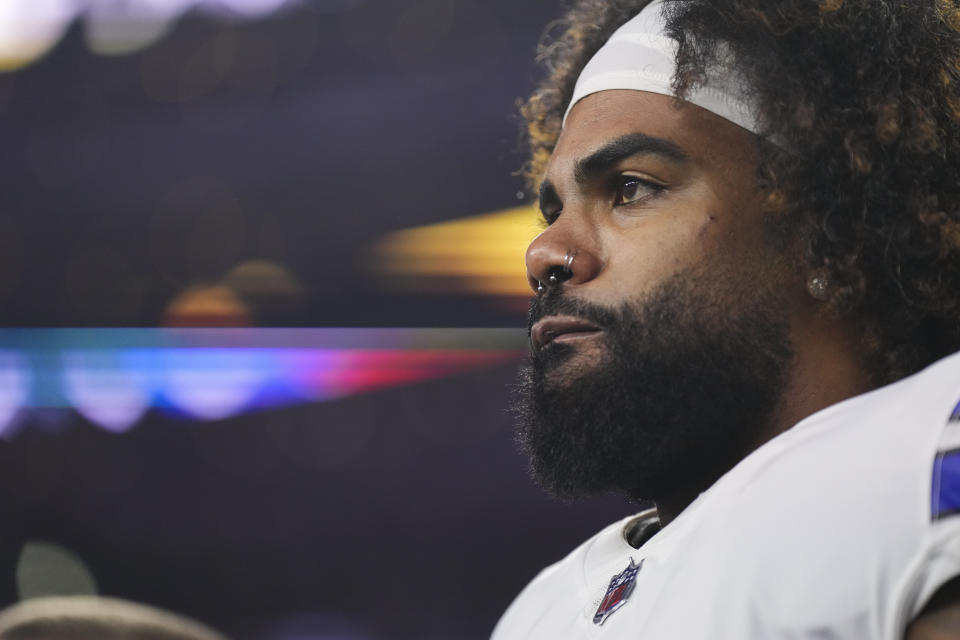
(480, 255)
(207, 306)
(30, 28)
(112, 389)
(14, 389)
(213, 384)
(113, 376)
(121, 28)
(47, 569)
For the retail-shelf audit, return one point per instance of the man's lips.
(560, 329)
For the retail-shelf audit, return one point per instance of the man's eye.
(550, 215)
(630, 189)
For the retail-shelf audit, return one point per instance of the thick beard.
(684, 389)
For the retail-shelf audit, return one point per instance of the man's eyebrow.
(623, 147)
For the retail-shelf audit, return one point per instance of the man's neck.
(826, 369)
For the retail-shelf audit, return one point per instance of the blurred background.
(261, 303)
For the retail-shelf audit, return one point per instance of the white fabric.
(824, 532)
(640, 56)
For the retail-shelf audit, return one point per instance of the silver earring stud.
(818, 285)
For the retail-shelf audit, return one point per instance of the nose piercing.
(568, 262)
(556, 276)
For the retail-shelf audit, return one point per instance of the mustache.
(555, 303)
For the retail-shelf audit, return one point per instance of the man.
(747, 298)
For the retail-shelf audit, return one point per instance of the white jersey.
(841, 527)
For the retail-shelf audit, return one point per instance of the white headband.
(641, 56)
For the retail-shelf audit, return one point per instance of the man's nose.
(556, 258)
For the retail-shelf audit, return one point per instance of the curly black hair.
(866, 96)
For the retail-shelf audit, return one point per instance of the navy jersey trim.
(945, 494)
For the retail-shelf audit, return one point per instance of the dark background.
(127, 180)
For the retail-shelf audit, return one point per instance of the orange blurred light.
(481, 255)
(207, 306)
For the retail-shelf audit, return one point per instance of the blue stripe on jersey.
(946, 484)
(955, 416)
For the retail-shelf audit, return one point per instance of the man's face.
(665, 351)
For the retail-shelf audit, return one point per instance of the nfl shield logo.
(621, 586)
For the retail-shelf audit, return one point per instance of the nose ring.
(568, 262)
(556, 276)
(565, 271)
